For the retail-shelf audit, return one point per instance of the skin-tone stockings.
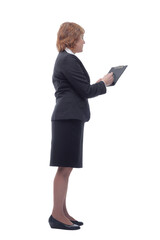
(61, 179)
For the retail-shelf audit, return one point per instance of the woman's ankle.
(61, 218)
(69, 217)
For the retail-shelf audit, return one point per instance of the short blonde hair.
(68, 35)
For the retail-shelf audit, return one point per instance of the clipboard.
(117, 72)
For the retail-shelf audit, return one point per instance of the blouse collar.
(69, 51)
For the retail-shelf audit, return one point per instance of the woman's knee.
(64, 171)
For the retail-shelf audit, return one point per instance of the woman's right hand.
(108, 79)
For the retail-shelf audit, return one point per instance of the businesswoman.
(72, 90)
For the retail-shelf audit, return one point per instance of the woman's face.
(79, 45)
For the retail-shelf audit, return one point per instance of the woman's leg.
(60, 191)
(66, 212)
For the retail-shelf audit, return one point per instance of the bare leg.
(60, 191)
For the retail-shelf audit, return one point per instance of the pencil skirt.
(67, 143)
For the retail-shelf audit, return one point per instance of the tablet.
(117, 72)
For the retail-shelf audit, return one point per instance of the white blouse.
(69, 51)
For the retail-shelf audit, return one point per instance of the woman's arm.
(107, 79)
(79, 79)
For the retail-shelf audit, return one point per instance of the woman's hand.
(107, 79)
(99, 80)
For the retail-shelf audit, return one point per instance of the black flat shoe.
(59, 225)
(77, 223)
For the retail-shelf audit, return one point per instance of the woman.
(73, 88)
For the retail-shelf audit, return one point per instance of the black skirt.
(67, 143)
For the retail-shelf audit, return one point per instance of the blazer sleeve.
(78, 77)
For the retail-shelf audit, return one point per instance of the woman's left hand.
(99, 80)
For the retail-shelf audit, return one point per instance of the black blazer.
(72, 85)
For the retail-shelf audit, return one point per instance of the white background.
(116, 194)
